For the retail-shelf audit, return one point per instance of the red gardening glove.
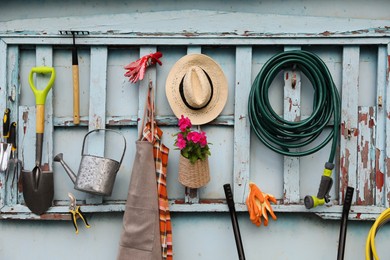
(136, 69)
(258, 204)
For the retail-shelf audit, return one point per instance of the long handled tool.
(344, 220)
(38, 185)
(233, 215)
(75, 74)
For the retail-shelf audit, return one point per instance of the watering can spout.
(59, 158)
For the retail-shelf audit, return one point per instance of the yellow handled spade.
(38, 185)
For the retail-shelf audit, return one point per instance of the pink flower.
(198, 138)
(184, 123)
(181, 142)
(194, 137)
(203, 139)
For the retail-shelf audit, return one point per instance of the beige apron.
(140, 239)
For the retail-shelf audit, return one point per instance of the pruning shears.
(76, 212)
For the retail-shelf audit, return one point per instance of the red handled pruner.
(76, 213)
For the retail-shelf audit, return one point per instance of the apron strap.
(148, 113)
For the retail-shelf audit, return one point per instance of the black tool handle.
(344, 219)
(233, 216)
(12, 136)
(6, 122)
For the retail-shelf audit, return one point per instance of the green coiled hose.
(283, 136)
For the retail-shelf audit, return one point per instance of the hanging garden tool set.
(197, 92)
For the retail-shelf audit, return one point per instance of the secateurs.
(76, 213)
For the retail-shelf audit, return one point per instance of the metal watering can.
(96, 174)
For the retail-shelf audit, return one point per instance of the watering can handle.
(97, 130)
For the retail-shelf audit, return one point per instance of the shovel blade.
(38, 193)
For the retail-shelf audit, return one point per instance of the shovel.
(38, 185)
(5, 146)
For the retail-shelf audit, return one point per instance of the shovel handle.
(76, 94)
(40, 95)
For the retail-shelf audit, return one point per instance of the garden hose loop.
(371, 252)
(291, 138)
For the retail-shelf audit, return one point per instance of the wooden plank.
(3, 105)
(365, 190)
(180, 40)
(97, 107)
(380, 136)
(13, 92)
(387, 174)
(349, 119)
(192, 195)
(150, 75)
(291, 112)
(191, 24)
(27, 140)
(241, 145)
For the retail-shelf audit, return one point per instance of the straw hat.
(196, 87)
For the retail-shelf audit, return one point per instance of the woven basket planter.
(194, 175)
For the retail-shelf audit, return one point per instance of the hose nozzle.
(324, 189)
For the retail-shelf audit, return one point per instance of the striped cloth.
(160, 153)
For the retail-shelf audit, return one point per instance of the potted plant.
(194, 149)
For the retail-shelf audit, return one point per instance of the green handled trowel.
(38, 185)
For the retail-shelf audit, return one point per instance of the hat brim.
(218, 80)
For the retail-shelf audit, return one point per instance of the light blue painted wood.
(387, 180)
(3, 105)
(380, 137)
(13, 92)
(291, 112)
(27, 139)
(365, 181)
(241, 144)
(349, 119)
(171, 23)
(97, 108)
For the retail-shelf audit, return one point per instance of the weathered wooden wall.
(241, 37)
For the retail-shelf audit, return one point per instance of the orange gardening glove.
(258, 204)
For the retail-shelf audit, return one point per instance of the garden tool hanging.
(14, 164)
(76, 213)
(38, 185)
(75, 75)
(96, 174)
(141, 237)
(5, 146)
(284, 136)
(344, 222)
(236, 228)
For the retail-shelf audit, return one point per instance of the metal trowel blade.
(5, 153)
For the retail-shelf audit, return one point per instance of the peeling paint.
(25, 119)
(379, 176)
(364, 154)
(55, 216)
(119, 122)
(344, 164)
